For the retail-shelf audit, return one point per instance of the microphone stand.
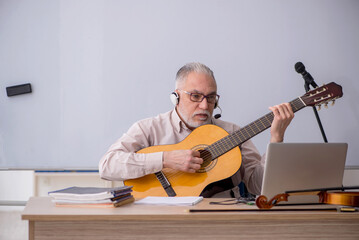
(306, 87)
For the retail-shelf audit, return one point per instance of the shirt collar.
(177, 122)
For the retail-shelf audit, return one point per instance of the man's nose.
(204, 104)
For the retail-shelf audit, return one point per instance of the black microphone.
(300, 68)
(218, 115)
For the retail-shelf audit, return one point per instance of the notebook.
(300, 166)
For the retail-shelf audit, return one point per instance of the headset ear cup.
(174, 98)
(216, 105)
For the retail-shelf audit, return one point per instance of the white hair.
(182, 74)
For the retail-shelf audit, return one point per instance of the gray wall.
(98, 66)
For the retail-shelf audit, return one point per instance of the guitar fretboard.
(237, 138)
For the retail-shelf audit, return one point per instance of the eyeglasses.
(198, 97)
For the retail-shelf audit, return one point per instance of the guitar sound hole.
(207, 158)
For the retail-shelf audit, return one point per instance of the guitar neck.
(247, 132)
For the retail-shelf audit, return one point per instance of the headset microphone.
(218, 115)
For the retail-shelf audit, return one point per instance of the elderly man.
(195, 97)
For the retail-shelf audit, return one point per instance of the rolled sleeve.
(122, 160)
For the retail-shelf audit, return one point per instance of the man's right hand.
(183, 160)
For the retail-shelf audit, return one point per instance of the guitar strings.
(222, 146)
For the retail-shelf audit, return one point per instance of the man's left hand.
(283, 115)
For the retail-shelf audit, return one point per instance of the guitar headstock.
(323, 95)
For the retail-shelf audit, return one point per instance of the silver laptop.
(300, 166)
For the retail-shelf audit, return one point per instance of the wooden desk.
(175, 222)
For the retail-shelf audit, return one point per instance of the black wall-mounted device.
(18, 89)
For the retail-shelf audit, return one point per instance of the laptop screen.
(301, 166)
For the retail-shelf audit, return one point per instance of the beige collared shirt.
(121, 161)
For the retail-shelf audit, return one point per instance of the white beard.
(194, 124)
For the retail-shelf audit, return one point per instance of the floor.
(11, 225)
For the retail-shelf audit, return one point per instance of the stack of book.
(92, 196)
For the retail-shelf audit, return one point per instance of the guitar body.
(190, 184)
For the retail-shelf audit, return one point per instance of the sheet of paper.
(186, 201)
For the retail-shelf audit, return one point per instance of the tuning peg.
(319, 107)
(333, 102)
(326, 105)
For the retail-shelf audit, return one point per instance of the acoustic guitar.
(218, 149)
